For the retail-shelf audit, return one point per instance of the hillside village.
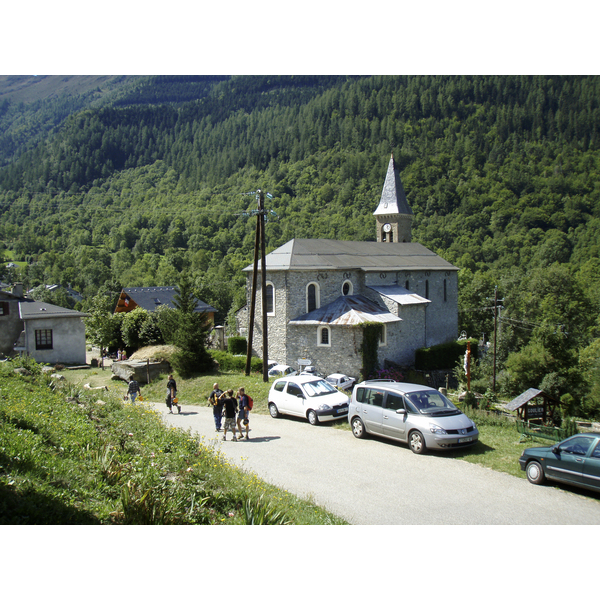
(433, 206)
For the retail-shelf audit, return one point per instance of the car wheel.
(273, 410)
(358, 429)
(312, 417)
(535, 473)
(416, 442)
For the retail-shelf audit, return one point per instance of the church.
(320, 291)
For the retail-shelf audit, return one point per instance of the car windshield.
(318, 388)
(431, 402)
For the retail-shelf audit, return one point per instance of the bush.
(444, 356)
(237, 345)
(229, 362)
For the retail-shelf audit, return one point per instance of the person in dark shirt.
(133, 390)
(244, 414)
(172, 394)
(230, 405)
(217, 405)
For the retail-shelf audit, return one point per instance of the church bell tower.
(394, 216)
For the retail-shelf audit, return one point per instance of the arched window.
(270, 299)
(445, 291)
(383, 336)
(313, 297)
(407, 284)
(324, 337)
(347, 288)
(427, 289)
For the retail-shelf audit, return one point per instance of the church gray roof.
(312, 255)
(393, 199)
(347, 310)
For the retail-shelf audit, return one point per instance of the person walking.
(244, 414)
(133, 389)
(172, 394)
(217, 405)
(230, 405)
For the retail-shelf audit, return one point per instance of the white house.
(48, 333)
(319, 291)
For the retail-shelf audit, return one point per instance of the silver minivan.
(414, 414)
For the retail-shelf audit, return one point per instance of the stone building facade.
(319, 292)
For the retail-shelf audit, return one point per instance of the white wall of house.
(68, 340)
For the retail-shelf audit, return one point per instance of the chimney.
(17, 290)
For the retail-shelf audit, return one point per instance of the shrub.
(229, 362)
(444, 356)
(237, 345)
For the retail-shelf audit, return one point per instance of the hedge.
(444, 356)
(230, 362)
(237, 345)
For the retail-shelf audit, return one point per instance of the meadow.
(74, 456)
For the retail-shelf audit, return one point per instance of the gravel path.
(374, 482)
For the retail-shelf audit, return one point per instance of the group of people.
(226, 404)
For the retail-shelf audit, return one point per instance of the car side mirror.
(401, 411)
(556, 450)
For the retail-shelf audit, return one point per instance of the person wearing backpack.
(245, 403)
(217, 405)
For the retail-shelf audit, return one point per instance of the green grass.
(71, 456)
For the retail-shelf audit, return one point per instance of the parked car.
(309, 397)
(575, 461)
(414, 414)
(281, 371)
(341, 381)
(312, 371)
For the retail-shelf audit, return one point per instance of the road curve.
(374, 482)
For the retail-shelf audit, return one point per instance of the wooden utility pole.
(259, 248)
(263, 273)
(495, 335)
(253, 298)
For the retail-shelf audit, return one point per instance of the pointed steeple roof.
(393, 199)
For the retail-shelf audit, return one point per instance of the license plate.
(342, 410)
(463, 440)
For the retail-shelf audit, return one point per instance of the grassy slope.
(96, 460)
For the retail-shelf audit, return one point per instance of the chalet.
(320, 291)
(48, 333)
(150, 298)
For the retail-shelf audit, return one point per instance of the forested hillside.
(502, 174)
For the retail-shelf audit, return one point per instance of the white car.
(339, 380)
(309, 397)
(281, 371)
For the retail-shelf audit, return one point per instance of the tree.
(103, 327)
(192, 331)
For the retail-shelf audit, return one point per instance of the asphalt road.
(375, 482)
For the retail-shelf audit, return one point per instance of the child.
(244, 414)
(230, 405)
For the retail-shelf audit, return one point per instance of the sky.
(313, 37)
(267, 37)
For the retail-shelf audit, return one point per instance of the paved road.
(374, 482)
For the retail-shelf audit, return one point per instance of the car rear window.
(369, 396)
